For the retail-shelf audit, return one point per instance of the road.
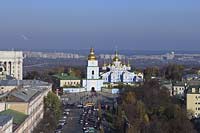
(72, 125)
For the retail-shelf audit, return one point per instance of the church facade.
(116, 72)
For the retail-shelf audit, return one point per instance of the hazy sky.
(104, 24)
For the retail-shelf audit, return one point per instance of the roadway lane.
(73, 125)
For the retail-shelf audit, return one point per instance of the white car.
(64, 117)
(67, 110)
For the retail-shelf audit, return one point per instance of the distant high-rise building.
(11, 63)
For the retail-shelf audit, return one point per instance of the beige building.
(193, 100)
(12, 61)
(6, 124)
(179, 89)
(66, 80)
(29, 100)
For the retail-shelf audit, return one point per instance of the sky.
(102, 24)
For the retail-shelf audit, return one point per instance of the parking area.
(68, 123)
(72, 122)
(89, 120)
(80, 114)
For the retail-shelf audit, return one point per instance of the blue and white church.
(116, 72)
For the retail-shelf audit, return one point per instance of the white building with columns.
(118, 72)
(93, 82)
(11, 63)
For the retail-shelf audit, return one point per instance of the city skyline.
(144, 25)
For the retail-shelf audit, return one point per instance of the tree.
(151, 72)
(52, 112)
(173, 72)
(53, 104)
(149, 108)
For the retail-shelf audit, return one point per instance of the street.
(73, 99)
(72, 125)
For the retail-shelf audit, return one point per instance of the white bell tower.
(92, 67)
(93, 81)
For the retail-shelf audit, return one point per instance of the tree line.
(150, 109)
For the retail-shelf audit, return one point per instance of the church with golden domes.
(116, 72)
(93, 81)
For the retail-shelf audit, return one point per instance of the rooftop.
(23, 82)
(28, 90)
(196, 87)
(4, 119)
(25, 94)
(65, 76)
(18, 117)
(179, 84)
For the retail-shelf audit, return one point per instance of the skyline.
(145, 25)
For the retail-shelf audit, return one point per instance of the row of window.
(66, 83)
(179, 89)
(197, 97)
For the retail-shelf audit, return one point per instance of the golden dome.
(91, 56)
(116, 58)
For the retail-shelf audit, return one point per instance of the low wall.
(111, 91)
(73, 90)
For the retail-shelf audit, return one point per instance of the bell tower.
(92, 66)
(93, 81)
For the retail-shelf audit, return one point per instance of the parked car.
(59, 129)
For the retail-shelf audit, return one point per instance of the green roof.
(18, 117)
(65, 76)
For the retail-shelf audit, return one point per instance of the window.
(93, 72)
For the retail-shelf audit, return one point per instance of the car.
(91, 130)
(66, 113)
(64, 117)
(59, 129)
(62, 122)
(67, 110)
(80, 106)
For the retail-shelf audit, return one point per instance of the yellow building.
(66, 80)
(27, 99)
(193, 100)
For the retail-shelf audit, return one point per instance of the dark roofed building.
(6, 124)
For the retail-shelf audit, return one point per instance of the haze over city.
(129, 24)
